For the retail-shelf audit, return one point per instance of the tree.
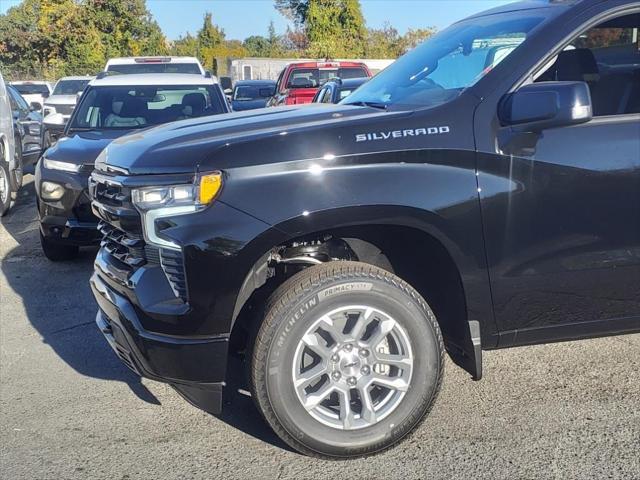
(186, 46)
(383, 43)
(257, 46)
(51, 38)
(335, 28)
(413, 38)
(210, 35)
(295, 10)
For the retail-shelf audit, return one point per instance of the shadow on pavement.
(60, 306)
(57, 298)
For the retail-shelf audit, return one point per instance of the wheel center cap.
(349, 364)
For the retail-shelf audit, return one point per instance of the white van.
(7, 150)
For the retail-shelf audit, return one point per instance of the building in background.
(269, 68)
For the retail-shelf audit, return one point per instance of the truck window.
(129, 68)
(606, 57)
(316, 77)
(455, 59)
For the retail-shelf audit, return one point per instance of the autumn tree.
(52, 38)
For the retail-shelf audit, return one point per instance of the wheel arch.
(397, 239)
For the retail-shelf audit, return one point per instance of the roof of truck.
(153, 79)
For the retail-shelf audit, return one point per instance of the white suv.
(7, 149)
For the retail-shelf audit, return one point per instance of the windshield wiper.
(379, 105)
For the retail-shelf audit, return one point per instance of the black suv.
(482, 192)
(110, 107)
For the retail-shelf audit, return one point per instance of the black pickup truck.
(482, 192)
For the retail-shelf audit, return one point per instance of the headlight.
(51, 191)
(58, 165)
(168, 201)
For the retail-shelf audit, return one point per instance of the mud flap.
(469, 355)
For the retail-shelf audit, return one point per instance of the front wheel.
(348, 360)
(5, 187)
(18, 173)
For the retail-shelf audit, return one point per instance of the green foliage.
(53, 38)
(257, 46)
(335, 28)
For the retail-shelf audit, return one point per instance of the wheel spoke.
(311, 375)
(384, 328)
(347, 416)
(368, 412)
(317, 345)
(361, 324)
(314, 399)
(329, 325)
(393, 383)
(393, 360)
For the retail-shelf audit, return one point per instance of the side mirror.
(226, 83)
(35, 106)
(541, 106)
(228, 91)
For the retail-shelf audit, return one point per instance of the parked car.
(336, 90)
(59, 106)
(33, 91)
(299, 82)
(251, 94)
(457, 202)
(27, 130)
(188, 65)
(110, 107)
(64, 97)
(7, 149)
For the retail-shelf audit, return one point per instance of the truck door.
(561, 208)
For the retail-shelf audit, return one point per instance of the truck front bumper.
(195, 366)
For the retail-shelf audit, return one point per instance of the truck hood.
(82, 148)
(240, 139)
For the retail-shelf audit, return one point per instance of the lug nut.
(335, 358)
(348, 347)
(365, 370)
(352, 381)
(335, 376)
(363, 352)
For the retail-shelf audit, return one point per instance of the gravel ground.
(70, 410)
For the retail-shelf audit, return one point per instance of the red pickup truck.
(299, 82)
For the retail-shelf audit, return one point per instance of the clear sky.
(242, 18)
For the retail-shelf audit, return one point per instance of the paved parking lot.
(69, 409)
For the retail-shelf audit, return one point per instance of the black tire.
(17, 176)
(57, 252)
(291, 310)
(5, 187)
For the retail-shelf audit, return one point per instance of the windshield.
(191, 68)
(125, 107)
(315, 77)
(70, 87)
(31, 89)
(441, 68)
(244, 93)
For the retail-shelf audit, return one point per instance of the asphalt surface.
(70, 410)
